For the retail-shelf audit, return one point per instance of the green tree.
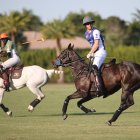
(33, 22)
(133, 32)
(115, 30)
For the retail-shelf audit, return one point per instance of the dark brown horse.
(125, 75)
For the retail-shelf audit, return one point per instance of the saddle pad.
(16, 74)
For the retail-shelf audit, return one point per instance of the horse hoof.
(30, 108)
(42, 97)
(90, 111)
(65, 117)
(108, 123)
(93, 110)
(9, 113)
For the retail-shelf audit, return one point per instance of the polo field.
(46, 122)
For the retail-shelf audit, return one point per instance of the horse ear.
(69, 46)
(72, 46)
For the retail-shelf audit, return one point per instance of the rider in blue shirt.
(98, 51)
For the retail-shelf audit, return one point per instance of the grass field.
(46, 122)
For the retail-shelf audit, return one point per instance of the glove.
(88, 55)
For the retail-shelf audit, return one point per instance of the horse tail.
(50, 72)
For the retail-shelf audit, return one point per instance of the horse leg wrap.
(64, 109)
(115, 116)
(5, 109)
(83, 108)
(35, 102)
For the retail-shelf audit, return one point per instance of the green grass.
(46, 122)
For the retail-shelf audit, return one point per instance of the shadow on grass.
(72, 114)
(93, 113)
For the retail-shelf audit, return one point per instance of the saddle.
(109, 64)
(105, 65)
(15, 71)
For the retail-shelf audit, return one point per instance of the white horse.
(34, 77)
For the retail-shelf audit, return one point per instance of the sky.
(49, 10)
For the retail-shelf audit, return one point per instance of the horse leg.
(34, 84)
(66, 102)
(83, 108)
(6, 110)
(126, 102)
(37, 91)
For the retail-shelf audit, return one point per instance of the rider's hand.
(88, 55)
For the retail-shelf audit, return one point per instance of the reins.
(81, 59)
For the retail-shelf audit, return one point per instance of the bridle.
(69, 61)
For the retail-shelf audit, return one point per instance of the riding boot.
(5, 77)
(99, 81)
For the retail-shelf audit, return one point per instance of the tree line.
(115, 30)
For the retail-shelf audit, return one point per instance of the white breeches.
(99, 58)
(11, 62)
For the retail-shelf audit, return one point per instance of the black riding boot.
(99, 80)
(5, 77)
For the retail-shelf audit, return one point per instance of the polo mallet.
(42, 39)
(90, 64)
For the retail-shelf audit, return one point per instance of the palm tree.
(16, 22)
(12, 23)
(57, 30)
(137, 15)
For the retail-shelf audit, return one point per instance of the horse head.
(67, 57)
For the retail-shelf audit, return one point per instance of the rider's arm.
(96, 36)
(95, 46)
(9, 48)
